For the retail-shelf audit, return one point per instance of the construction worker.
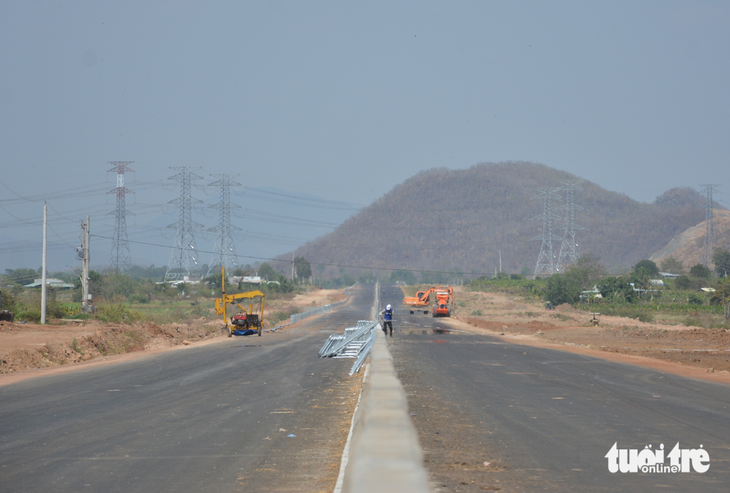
(387, 316)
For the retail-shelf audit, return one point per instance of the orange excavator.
(421, 301)
(444, 302)
(418, 303)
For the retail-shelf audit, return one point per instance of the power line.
(326, 264)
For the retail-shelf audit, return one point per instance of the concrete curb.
(384, 453)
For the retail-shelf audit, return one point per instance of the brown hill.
(688, 246)
(459, 221)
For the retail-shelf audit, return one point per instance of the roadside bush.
(30, 310)
(682, 282)
(695, 299)
(524, 287)
(118, 314)
(7, 301)
(139, 298)
(560, 290)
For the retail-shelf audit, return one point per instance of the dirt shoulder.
(26, 348)
(693, 352)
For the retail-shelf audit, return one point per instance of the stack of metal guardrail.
(355, 343)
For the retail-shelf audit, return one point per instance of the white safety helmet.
(387, 307)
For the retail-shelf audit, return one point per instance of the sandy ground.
(29, 349)
(688, 351)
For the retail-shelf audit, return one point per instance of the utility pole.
(708, 249)
(44, 290)
(85, 257)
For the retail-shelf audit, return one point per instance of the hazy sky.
(344, 100)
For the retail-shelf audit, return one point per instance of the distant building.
(50, 282)
(669, 275)
(591, 294)
(246, 279)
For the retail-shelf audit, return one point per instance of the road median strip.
(384, 453)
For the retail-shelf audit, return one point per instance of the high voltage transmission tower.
(708, 251)
(225, 249)
(546, 261)
(569, 249)
(120, 258)
(183, 265)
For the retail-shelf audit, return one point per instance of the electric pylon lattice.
(183, 265)
(708, 250)
(121, 259)
(546, 260)
(569, 249)
(225, 249)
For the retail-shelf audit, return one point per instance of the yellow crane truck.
(249, 320)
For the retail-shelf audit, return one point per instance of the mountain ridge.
(460, 220)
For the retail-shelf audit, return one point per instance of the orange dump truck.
(444, 302)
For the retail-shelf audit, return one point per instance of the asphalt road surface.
(544, 420)
(202, 419)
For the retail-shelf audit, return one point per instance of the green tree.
(695, 299)
(722, 297)
(721, 259)
(302, 268)
(21, 276)
(559, 289)
(586, 272)
(646, 268)
(617, 289)
(267, 272)
(700, 271)
(215, 280)
(672, 265)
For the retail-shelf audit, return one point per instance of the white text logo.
(652, 461)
